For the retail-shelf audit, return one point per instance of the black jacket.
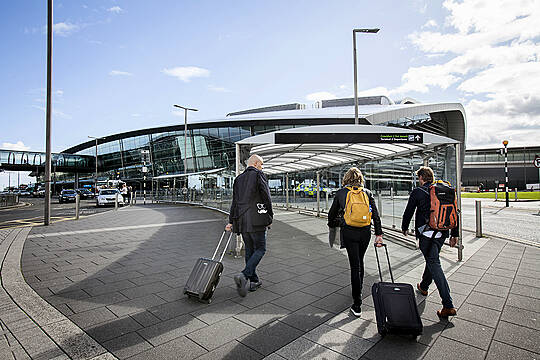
(249, 187)
(419, 200)
(338, 206)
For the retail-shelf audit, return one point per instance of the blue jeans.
(433, 271)
(255, 248)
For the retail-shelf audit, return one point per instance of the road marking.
(120, 228)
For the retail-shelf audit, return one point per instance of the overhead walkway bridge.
(35, 161)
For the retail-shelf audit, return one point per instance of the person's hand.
(228, 227)
(453, 241)
(378, 240)
(405, 232)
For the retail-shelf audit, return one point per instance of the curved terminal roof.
(317, 147)
(368, 114)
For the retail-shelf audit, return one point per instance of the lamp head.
(505, 142)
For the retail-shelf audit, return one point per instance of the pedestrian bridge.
(35, 161)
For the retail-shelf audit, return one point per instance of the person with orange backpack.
(436, 218)
(353, 210)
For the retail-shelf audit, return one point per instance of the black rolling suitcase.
(204, 277)
(395, 305)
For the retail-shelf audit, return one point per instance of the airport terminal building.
(211, 144)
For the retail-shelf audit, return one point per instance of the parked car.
(86, 194)
(67, 195)
(108, 196)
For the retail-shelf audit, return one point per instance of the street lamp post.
(47, 208)
(505, 143)
(368, 31)
(95, 175)
(185, 134)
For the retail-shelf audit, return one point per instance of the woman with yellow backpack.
(353, 210)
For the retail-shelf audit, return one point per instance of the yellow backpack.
(357, 209)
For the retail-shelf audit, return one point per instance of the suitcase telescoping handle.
(225, 248)
(379, 264)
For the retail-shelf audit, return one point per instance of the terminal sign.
(537, 161)
(347, 138)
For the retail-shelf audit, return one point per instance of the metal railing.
(8, 200)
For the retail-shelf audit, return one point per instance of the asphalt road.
(32, 214)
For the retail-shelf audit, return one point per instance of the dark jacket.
(419, 200)
(249, 188)
(335, 215)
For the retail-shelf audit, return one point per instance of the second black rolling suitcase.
(395, 305)
(204, 277)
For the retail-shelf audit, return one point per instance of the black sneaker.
(356, 310)
(241, 284)
(254, 285)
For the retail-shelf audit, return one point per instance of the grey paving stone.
(518, 336)
(96, 302)
(497, 280)
(295, 300)
(271, 337)
(457, 299)
(365, 329)
(181, 348)
(501, 351)
(135, 305)
(479, 315)
(304, 349)
(521, 317)
(523, 302)
(321, 289)
(432, 331)
(485, 300)
(307, 318)
(141, 291)
(396, 348)
(263, 314)
(525, 290)
(279, 276)
(176, 308)
(218, 334)
(108, 288)
(503, 265)
(501, 272)
(218, 311)
(447, 349)
(469, 270)
(127, 345)
(460, 288)
(286, 287)
(335, 303)
(112, 329)
(465, 278)
(428, 311)
(88, 319)
(525, 280)
(231, 351)
(152, 278)
(310, 278)
(171, 329)
(340, 341)
(256, 298)
(173, 294)
(492, 289)
(461, 330)
(527, 272)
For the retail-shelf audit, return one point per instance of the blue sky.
(120, 65)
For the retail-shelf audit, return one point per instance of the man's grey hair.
(254, 159)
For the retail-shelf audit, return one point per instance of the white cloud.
(343, 87)
(55, 112)
(19, 146)
(115, 9)
(136, 115)
(376, 91)
(186, 73)
(65, 29)
(218, 89)
(429, 23)
(321, 95)
(490, 53)
(120, 73)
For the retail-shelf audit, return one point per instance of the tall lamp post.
(368, 31)
(505, 143)
(47, 209)
(186, 109)
(95, 174)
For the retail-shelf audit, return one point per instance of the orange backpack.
(357, 209)
(443, 208)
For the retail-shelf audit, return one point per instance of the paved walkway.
(117, 278)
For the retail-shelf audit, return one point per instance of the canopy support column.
(239, 241)
(458, 191)
(287, 191)
(318, 193)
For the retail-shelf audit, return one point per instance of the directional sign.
(346, 138)
(537, 161)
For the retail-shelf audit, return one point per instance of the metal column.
(478, 218)
(458, 191)
(287, 190)
(47, 210)
(318, 193)
(239, 241)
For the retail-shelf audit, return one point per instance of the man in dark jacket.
(251, 198)
(430, 241)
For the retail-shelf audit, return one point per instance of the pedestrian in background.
(250, 215)
(353, 209)
(430, 240)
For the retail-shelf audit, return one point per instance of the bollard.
(116, 202)
(478, 218)
(496, 194)
(515, 192)
(326, 203)
(77, 206)
(379, 205)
